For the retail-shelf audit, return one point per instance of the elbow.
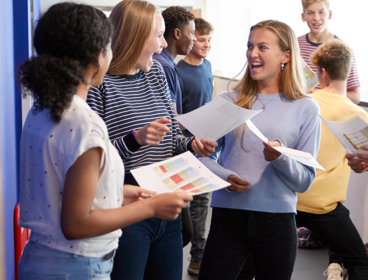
(70, 229)
(307, 183)
(69, 234)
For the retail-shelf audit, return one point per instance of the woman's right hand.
(237, 184)
(152, 133)
(168, 206)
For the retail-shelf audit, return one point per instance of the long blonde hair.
(292, 81)
(133, 21)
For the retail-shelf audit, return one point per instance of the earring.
(282, 67)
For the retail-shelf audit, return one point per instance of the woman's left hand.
(269, 152)
(203, 148)
(134, 193)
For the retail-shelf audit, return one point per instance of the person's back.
(320, 209)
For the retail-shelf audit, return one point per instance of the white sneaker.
(334, 272)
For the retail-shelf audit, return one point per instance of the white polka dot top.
(48, 150)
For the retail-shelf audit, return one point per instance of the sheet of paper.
(302, 157)
(352, 133)
(256, 131)
(215, 119)
(310, 76)
(183, 173)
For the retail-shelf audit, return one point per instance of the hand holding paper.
(302, 157)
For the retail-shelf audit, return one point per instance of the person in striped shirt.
(316, 14)
(135, 103)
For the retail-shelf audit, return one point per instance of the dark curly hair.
(176, 17)
(67, 38)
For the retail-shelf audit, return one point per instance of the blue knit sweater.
(274, 184)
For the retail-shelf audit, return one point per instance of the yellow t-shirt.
(330, 185)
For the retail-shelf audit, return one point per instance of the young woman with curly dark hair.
(134, 101)
(71, 177)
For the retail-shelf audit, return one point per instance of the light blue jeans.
(39, 262)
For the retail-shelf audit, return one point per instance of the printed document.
(302, 157)
(310, 76)
(183, 173)
(352, 133)
(215, 119)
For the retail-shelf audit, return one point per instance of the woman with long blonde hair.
(255, 216)
(134, 101)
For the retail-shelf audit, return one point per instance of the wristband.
(134, 134)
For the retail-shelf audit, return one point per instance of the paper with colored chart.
(352, 133)
(215, 119)
(183, 173)
(310, 76)
(302, 157)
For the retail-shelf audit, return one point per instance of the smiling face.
(155, 43)
(317, 15)
(187, 38)
(202, 46)
(265, 56)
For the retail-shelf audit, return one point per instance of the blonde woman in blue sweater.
(255, 216)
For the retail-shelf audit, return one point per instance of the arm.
(297, 176)
(354, 95)
(78, 220)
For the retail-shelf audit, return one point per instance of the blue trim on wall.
(13, 51)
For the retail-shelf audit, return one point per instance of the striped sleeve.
(126, 145)
(353, 79)
(181, 143)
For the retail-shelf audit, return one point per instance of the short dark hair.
(335, 56)
(203, 27)
(68, 38)
(176, 17)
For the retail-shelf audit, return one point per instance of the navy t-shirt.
(168, 65)
(196, 85)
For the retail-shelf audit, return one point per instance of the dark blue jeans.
(340, 234)
(150, 250)
(270, 238)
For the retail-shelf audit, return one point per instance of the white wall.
(232, 20)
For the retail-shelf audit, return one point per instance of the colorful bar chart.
(204, 189)
(162, 169)
(191, 185)
(179, 177)
(357, 139)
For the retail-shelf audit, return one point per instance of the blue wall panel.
(13, 51)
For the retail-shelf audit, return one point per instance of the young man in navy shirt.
(179, 35)
(196, 81)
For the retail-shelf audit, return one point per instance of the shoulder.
(229, 96)
(82, 121)
(302, 39)
(307, 104)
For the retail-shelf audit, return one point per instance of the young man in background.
(196, 80)
(179, 35)
(316, 13)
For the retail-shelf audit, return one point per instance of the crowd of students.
(106, 93)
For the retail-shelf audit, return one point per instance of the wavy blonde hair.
(292, 82)
(133, 22)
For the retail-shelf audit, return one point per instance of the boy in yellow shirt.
(320, 209)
